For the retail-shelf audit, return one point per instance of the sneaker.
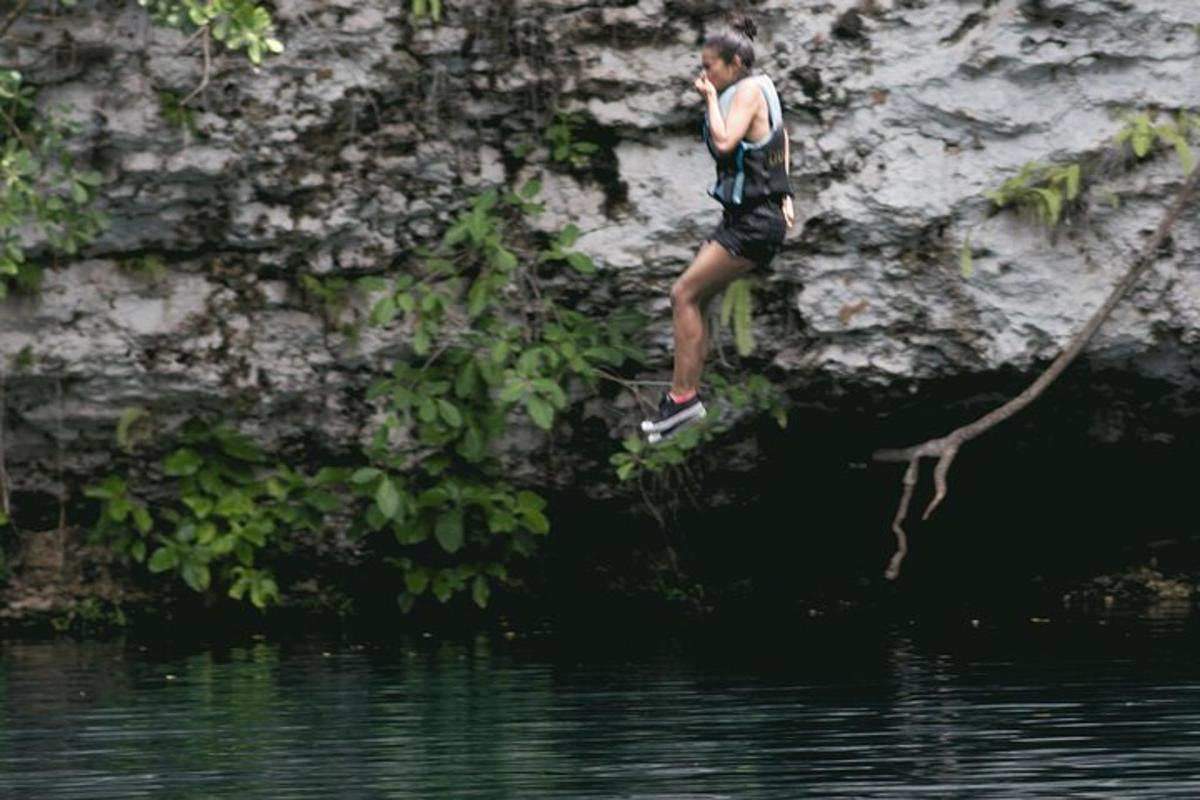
(671, 415)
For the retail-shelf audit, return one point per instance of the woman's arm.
(726, 132)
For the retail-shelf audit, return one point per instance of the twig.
(207, 69)
(12, 17)
(946, 447)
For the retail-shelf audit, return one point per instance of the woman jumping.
(745, 134)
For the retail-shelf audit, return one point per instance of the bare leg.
(711, 270)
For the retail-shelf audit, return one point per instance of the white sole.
(659, 436)
(691, 412)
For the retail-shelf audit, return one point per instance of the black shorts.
(753, 232)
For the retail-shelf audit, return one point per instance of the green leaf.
(372, 283)
(449, 413)
(443, 586)
(472, 447)
(513, 391)
(1143, 136)
(551, 391)
(200, 505)
(107, 489)
(536, 521)
(581, 263)
(1184, 151)
(206, 532)
(196, 575)
(420, 341)
(383, 312)
(387, 498)
(568, 237)
(1073, 180)
(365, 475)
(142, 519)
(540, 411)
(164, 558)
(1052, 201)
(742, 329)
(427, 410)
(433, 497)
(527, 500)
(129, 418)
(467, 379)
(449, 531)
(480, 591)
(263, 590)
(416, 581)
(479, 297)
(234, 503)
(530, 189)
(325, 502)
(504, 260)
(182, 462)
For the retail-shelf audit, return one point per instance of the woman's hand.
(789, 213)
(704, 86)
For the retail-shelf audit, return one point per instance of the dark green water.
(1035, 710)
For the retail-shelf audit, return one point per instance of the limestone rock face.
(367, 135)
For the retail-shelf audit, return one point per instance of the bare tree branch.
(205, 39)
(12, 17)
(946, 447)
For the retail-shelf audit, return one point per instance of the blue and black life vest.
(753, 171)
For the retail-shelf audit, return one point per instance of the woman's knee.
(683, 293)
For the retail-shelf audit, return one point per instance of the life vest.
(753, 171)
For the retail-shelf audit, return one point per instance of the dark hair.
(737, 41)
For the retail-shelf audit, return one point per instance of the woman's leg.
(711, 270)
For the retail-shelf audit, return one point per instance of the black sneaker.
(671, 416)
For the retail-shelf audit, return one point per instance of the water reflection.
(1042, 712)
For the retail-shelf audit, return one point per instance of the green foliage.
(756, 395)
(1045, 192)
(1143, 134)
(176, 114)
(736, 312)
(24, 359)
(151, 269)
(40, 185)
(87, 617)
(228, 514)
(966, 264)
(331, 293)
(132, 426)
(1042, 191)
(488, 345)
(237, 24)
(564, 145)
(422, 9)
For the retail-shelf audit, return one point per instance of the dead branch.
(205, 40)
(946, 447)
(12, 17)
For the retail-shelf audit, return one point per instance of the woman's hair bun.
(743, 25)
